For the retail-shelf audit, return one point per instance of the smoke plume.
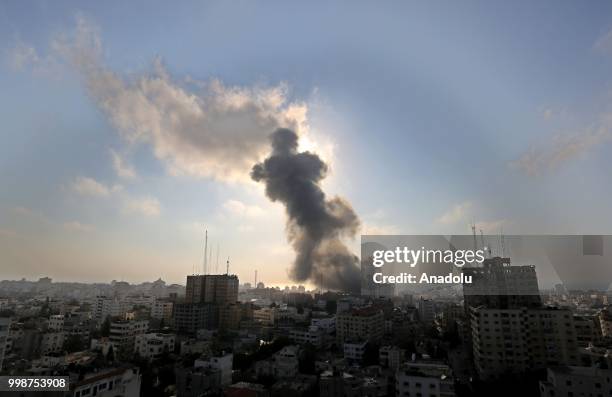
(315, 224)
(196, 128)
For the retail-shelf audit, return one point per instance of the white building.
(576, 381)
(162, 310)
(109, 307)
(424, 380)
(123, 334)
(222, 363)
(153, 345)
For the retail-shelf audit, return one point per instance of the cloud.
(147, 206)
(491, 227)
(8, 233)
(603, 44)
(561, 150)
(215, 131)
(90, 187)
(122, 168)
(24, 211)
(76, 226)
(376, 229)
(22, 56)
(238, 208)
(457, 213)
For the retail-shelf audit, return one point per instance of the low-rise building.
(162, 310)
(283, 364)
(360, 324)
(424, 379)
(576, 381)
(313, 335)
(222, 364)
(353, 351)
(265, 315)
(153, 345)
(111, 382)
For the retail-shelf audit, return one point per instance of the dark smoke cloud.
(316, 224)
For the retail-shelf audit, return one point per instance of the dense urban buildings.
(217, 337)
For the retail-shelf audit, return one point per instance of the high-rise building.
(520, 340)
(5, 324)
(499, 284)
(427, 311)
(212, 288)
(190, 317)
(210, 300)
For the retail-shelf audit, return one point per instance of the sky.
(129, 129)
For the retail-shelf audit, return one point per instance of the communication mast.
(205, 251)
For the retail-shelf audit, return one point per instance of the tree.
(110, 354)
(370, 354)
(105, 327)
(307, 359)
(73, 343)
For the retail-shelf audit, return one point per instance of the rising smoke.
(315, 224)
(220, 131)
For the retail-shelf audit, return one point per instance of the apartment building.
(519, 340)
(153, 345)
(365, 324)
(123, 334)
(424, 379)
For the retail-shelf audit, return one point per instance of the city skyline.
(120, 146)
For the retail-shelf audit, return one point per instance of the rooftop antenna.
(227, 266)
(217, 263)
(205, 251)
(210, 257)
(474, 235)
(484, 246)
(255, 278)
(503, 242)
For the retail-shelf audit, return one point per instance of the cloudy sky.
(129, 128)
